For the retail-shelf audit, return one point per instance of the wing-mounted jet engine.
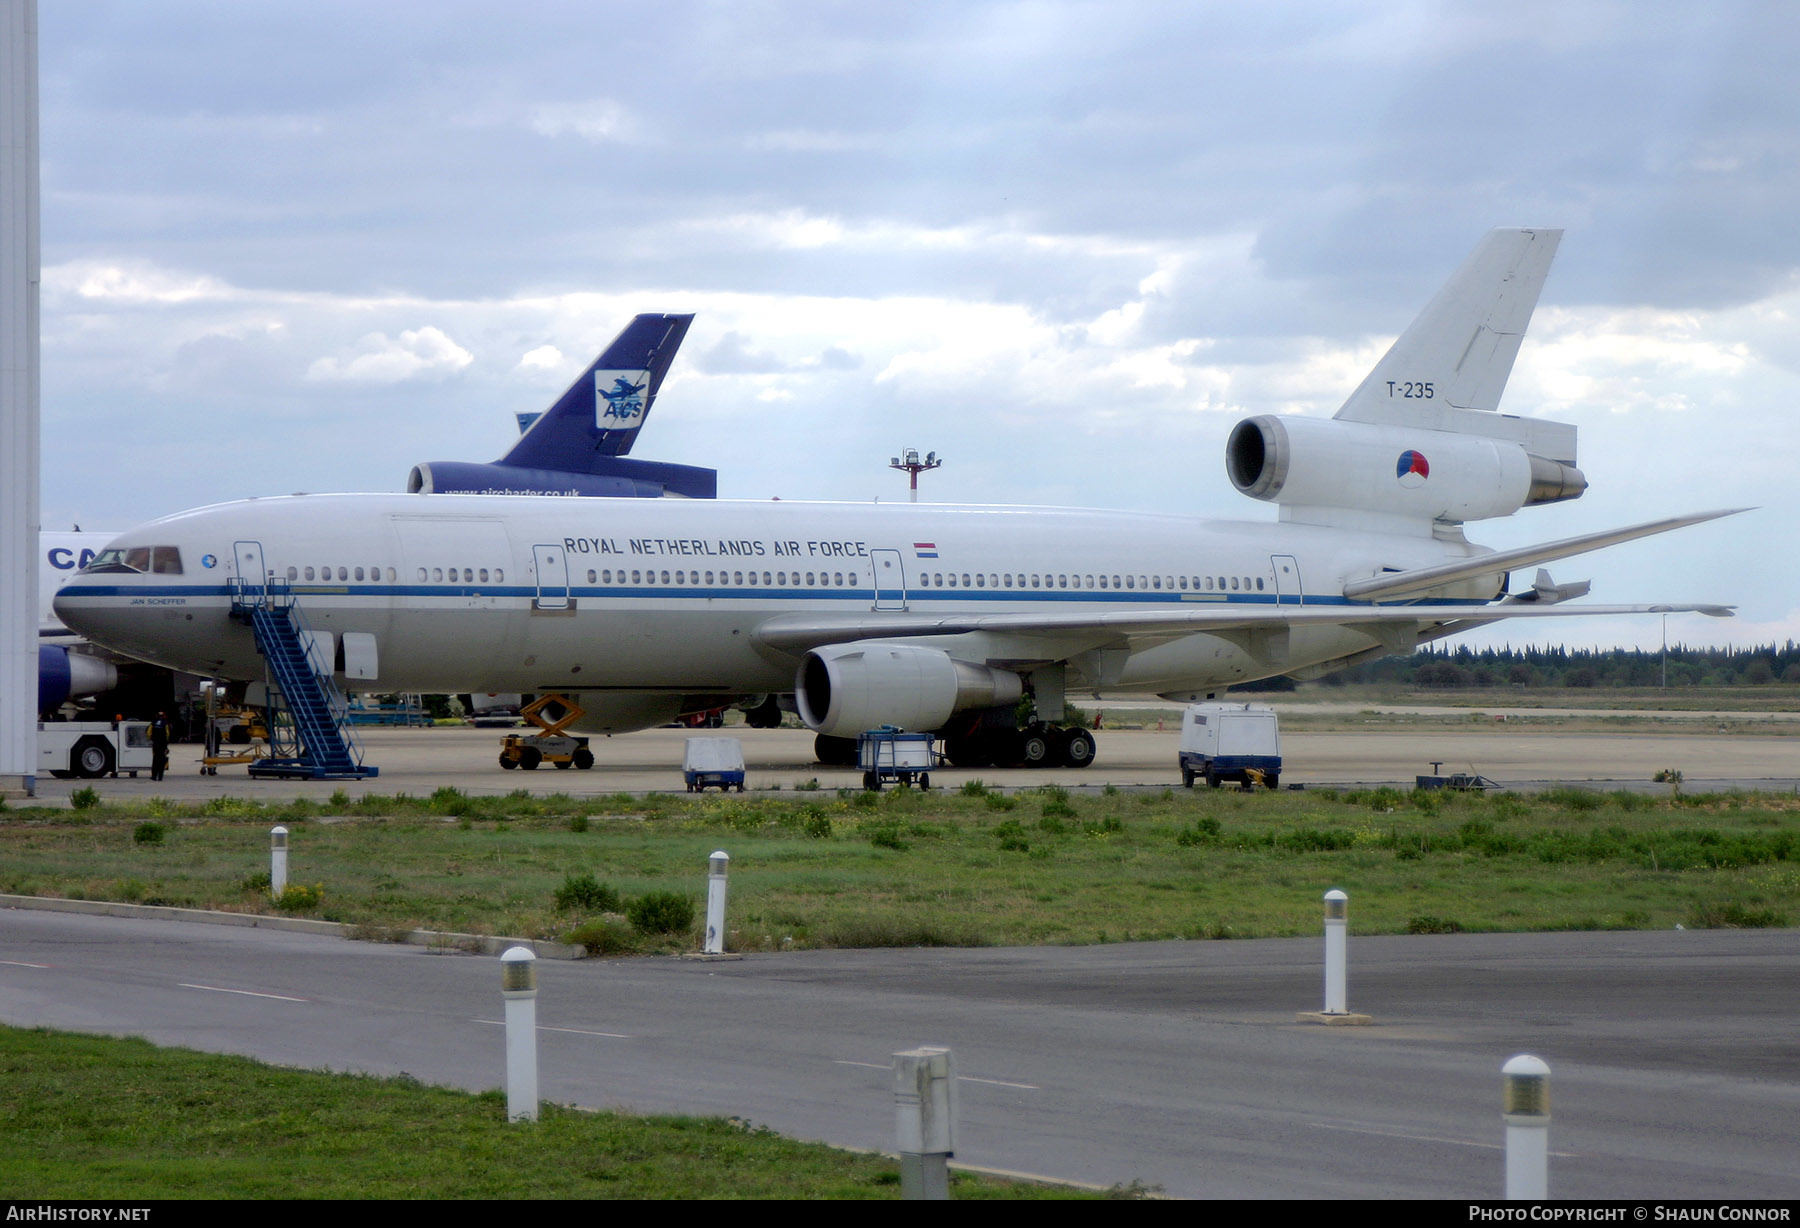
(579, 445)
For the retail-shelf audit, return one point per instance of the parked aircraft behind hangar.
(937, 618)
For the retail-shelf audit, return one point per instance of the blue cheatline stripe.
(704, 593)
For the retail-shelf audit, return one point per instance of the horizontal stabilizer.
(1398, 585)
(1547, 591)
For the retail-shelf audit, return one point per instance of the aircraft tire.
(968, 751)
(1075, 748)
(1035, 750)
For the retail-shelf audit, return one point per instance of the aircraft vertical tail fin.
(603, 410)
(1449, 368)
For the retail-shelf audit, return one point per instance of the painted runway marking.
(1386, 1132)
(1030, 1087)
(19, 963)
(500, 1023)
(248, 993)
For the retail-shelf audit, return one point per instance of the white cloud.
(598, 120)
(130, 283)
(381, 360)
(806, 140)
(544, 358)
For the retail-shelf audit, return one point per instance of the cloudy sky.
(303, 246)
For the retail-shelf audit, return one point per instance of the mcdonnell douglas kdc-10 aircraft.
(938, 618)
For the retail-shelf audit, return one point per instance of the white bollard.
(925, 1121)
(277, 861)
(717, 865)
(1526, 1111)
(518, 985)
(1336, 951)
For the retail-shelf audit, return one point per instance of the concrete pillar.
(925, 1120)
(1526, 1111)
(19, 278)
(518, 985)
(717, 868)
(278, 850)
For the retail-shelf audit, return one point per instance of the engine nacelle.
(843, 690)
(1396, 470)
(65, 675)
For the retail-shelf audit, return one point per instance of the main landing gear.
(551, 745)
(1037, 745)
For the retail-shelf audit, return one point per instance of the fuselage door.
(250, 573)
(1287, 579)
(552, 565)
(890, 580)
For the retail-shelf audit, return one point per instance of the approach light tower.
(909, 462)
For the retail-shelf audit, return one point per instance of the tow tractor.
(551, 744)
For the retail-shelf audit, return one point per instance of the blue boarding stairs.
(308, 720)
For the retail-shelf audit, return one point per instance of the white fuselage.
(485, 593)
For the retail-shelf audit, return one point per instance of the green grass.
(902, 868)
(89, 1117)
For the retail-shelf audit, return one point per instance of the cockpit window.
(162, 560)
(108, 561)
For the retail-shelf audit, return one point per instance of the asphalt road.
(418, 761)
(1675, 1056)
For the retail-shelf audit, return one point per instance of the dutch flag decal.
(925, 550)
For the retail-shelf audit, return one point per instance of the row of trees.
(1451, 666)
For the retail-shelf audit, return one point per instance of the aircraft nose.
(82, 614)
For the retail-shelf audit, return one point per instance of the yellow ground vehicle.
(551, 744)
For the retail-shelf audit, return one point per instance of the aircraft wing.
(1394, 585)
(1143, 628)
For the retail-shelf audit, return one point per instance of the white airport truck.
(1240, 742)
(93, 748)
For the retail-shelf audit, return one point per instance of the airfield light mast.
(909, 463)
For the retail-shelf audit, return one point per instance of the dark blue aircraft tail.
(603, 410)
(579, 445)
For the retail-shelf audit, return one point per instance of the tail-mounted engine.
(1396, 470)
